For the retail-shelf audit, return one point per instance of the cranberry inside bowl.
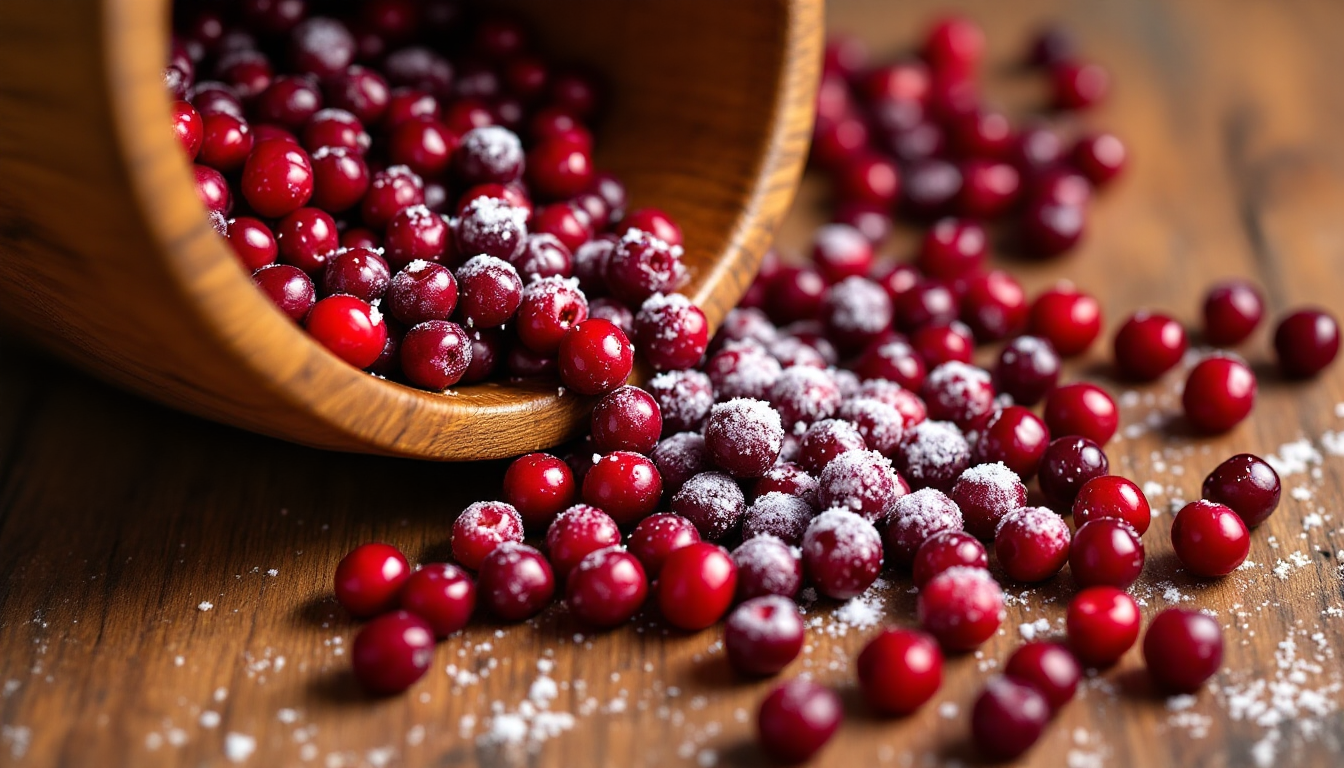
(109, 259)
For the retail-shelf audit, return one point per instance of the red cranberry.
(1037, 148)
(212, 189)
(559, 168)
(796, 293)
(288, 102)
(1032, 544)
(880, 424)
(359, 272)
(842, 553)
(777, 515)
(1069, 319)
(989, 187)
(351, 329)
(955, 45)
(416, 233)
(441, 594)
(797, 719)
(360, 91)
(337, 129)
(409, 104)
(1148, 345)
(899, 670)
(938, 344)
(1068, 463)
(696, 585)
(860, 481)
(1047, 667)
(550, 308)
(1182, 649)
(913, 519)
(491, 291)
(565, 223)
(679, 458)
(657, 536)
(543, 255)
(933, 455)
(713, 501)
(253, 242)
(626, 419)
(804, 394)
(1100, 157)
(340, 179)
(1082, 409)
(1306, 342)
(952, 248)
(435, 354)
(369, 578)
(931, 185)
(1232, 310)
(226, 141)
(288, 288)
(1111, 496)
(959, 393)
(515, 582)
(641, 265)
(872, 221)
(1219, 393)
(595, 357)
(672, 333)
(539, 486)
(577, 532)
(359, 237)
(606, 588)
(1027, 369)
(948, 549)
(1061, 186)
(392, 652)
(762, 635)
(247, 72)
(307, 238)
(840, 251)
(1079, 85)
(1051, 47)
(1247, 485)
(481, 528)
(994, 306)
(613, 311)
(277, 178)
(654, 222)
(744, 437)
(1209, 538)
(961, 607)
(422, 144)
(980, 132)
(188, 128)
(489, 155)
(767, 566)
(1050, 228)
(927, 303)
(1106, 551)
(1102, 623)
(389, 192)
(420, 292)
(626, 485)
(683, 397)
(745, 325)
(894, 361)
(834, 142)
(1007, 718)
(985, 494)
(321, 46)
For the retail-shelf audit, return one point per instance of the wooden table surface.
(165, 582)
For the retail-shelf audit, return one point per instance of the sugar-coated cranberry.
(855, 312)
(415, 233)
(986, 493)
(359, 272)
(933, 454)
(927, 303)
(654, 222)
(1027, 369)
(422, 291)
(1106, 551)
(1032, 544)
(392, 652)
(696, 585)
(672, 333)
(435, 354)
(212, 189)
(1112, 496)
(745, 325)
(913, 519)
(896, 361)
(952, 248)
(606, 588)
(626, 419)
(994, 306)
(1182, 649)
(1066, 317)
(369, 578)
(626, 485)
(481, 528)
(657, 536)
(490, 154)
(944, 343)
(442, 594)
(389, 191)
(762, 635)
(961, 607)
(490, 291)
(684, 399)
(277, 178)
(744, 437)
(1246, 484)
(797, 719)
(1148, 345)
(289, 288)
(959, 393)
(575, 533)
(1100, 156)
(881, 425)
(595, 357)
(515, 582)
(1008, 717)
(550, 308)
(1016, 437)
(948, 549)
(351, 329)
(1068, 463)
(842, 553)
(641, 265)
(543, 255)
(795, 294)
(827, 439)
(861, 481)
(767, 566)
(1079, 85)
(1232, 310)
(840, 251)
(679, 458)
(1219, 393)
(899, 670)
(1082, 409)
(321, 46)
(1209, 538)
(253, 242)
(713, 502)
(1306, 342)
(1048, 667)
(779, 515)
(1102, 623)
(492, 226)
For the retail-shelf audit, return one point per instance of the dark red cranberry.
(612, 191)
(899, 670)
(1082, 409)
(835, 142)
(672, 333)
(744, 437)
(468, 114)
(1102, 623)
(577, 532)
(880, 424)
(795, 294)
(1306, 342)
(1148, 345)
(827, 439)
(778, 515)
(868, 179)
(409, 104)
(986, 493)
(1232, 310)
(389, 192)
(989, 188)
(392, 652)
(369, 578)
(1209, 538)
(539, 486)
(894, 361)
(1047, 667)
(515, 582)
(679, 458)
(253, 243)
(564, 222)
(930, 188)
(1015, 437)
(696, 585)
(1219, 393)
(489, 154)
(1066, 317)
(840, 251)
(422, 144)
(435, 354)
(797, 719)
(961, 607)
(654, 222)
(442, 594)
(487, 351)
(351, 329)
(1050, 228)
(713, 501)
(641, 265)
(872, 221)
(804, 394)
(626, 419)
(543, 255)
(289, 102)
(595, 357)
(490, 292)
(1068, 463)
(657, 536)
(288, 288)
(1008, 717)
(762, 635)
(1079, 85)
(1182, 649)
(211, 98)
(212, 189)
(188, 128)
(1038, 147)
(606, 588)
(994, 306)
(337, 129)
(982, 132)
(842, 553)
(247, 72)
(856, 312)
(1106, 551)
(493, 227)
(948, 549)
(626, 485)
(420, 292)
(361, 91)
(307, 239)
(550, 308)
(1111, 496)
(959, 393)
(927, 303)
(933, 455)
(767, 566)
(559, 168)
(1246, 484)
(321, 46)
(340, 179)
(938, 344)
(1027, 369)
(1032, 544)
(226, 141)
(481, 528)
(912, 520)
(359, 237)
(954, 44)
(1100, 157)
(359, 272)
(683, 397)
(277, 178)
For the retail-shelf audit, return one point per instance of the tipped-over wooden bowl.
(107, 258)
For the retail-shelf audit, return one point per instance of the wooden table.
(166, 582)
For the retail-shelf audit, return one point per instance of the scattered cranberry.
(352, 329)
(1306, 342)
(1067, 465)
(442, 594)
(1102, 623)
(1015, 437)
(1182, 649)
(392, 652)
(986, 493)
(962, 607)
(369, 578)
(1032, 544)
(481, 528)
(1082, 409)
(1148, 345)
(696, 585)
(1218, 394)
(1106, 551)
(767, 566)
(626, 485)
(859, 481)
(606, 588)
(1048, 667)
(762, 635)
(1008, 717)
(1079, 85)
(515, 582)
(994, 306)
(899, 670)
(1100, 156)
(842, 553)
(797, 719)
(1209, 538)
(841, 251)
(933, 455)
(422, 291)
(1111, 496)
(657, 536)
(894, 361)
(1069, 319)
(1247, 485)
(952, 248)
(642, 265)
(1232, 310)
(915, 518)
(713, 501)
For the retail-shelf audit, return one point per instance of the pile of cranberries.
(414, 184)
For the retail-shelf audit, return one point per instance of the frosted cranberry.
(1219, 393)
(913, 519)
(744, 437)
(860, 481)
(842, 553)
(960, 393)
(1082, 409)
(1007, 718)
(252, 242)
(944, 343)
(359, 272)
(1111, 496)
(985, 494)
(1100, 156)
(626, 485)
(1102, 623)
(899, 670)
(1079, 85)
(369, 578)
(994, 306)
(212, 189)
(543, 255)
(1209, 538)
(1032, 544)
(420, 292)
(868, 179)
(933, 454)
(1068, 463)
(641, 265)
(340, 178)
(1246, 484)
(392, 652)
(954, 44)
(550, 308)
(1232, 310)
(351, 329)
(989, 188)
(441, 594)
(307, 239)
(490, 292)
(683, 398)
(880, 424)
(277, 178)
(762, 635)
(654, 222)
(577, 532)
(1047, 667)
(713, 502)
(1106, 551)
(481, 528)
(767, 566)
(1027, 369)
(321, 46)
(1148, 345)
(748, 325)
(288, 288)
(492, 226)
(1306, 342)
(435, 354)
(595, 357)
(226, 141)
(606, 588)
(657, 536)
(539, 486)
(840, 251)
(795, 294)
(742, 369)
(803, 395)
(188, 128)
(856, 311)
(1182, 649)
(515, 582)
(679, 458)
(696, 585)
(671, 332)
(777, 515)
(961, 607)
(361, 91)
(489, 154)
(927, 303)
(389, 192)
(1067, 318)
(793, 351)
(895, 361)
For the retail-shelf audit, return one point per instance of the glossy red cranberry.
(1306, 342)
(869, 179)
(672, 333)
(606, 588)
(1051, 228)
(247, 72)
(1182, 649)
(1106, 551)
(361, 91)
(226, 141)
(307, 239)
(188, 128)
(948, 549)
(253, 242)
(961, 607)
(490, 292)
(642, 265)
(289, 102)
(762, 635)
(766, 565)
(515, 582)
(369, 578)
(696, 585)
(1032, 544)
(420, 292)
(359, 272)
(938, 344)
(489, 155)
(288, 288)
(340, 179)
(654, 222)
(539, 486)
(435, 354)
(1027, 369)
(933, 455)
(1068, 463)
(626, 419)
(1008, 717)
(626, 485)
(359, 237)
(928, 303)
(1246, 484)
(277, 178)
(422, 144)
(1100, 157)
(351, 329)
(985, 494)
(797, 719)
(550, 308)
(1079, 85)
(564, 222)
(1148, 345)
(408, 104)
(835, 142)
(337, 129)
(796, 293)
(658, 536)
(391, 652)
(989, 187)
(1219, 393)
(954, 44)
(481, 528)
(577, 532)
(994, 306)
(1049, 668)
(391, 190)
(442, 594)
(1102, 623)
(595, 357)
(1232, 310)
(842, 553)
(744, 437)
(1111, 496)
(321, 46)
(913, 519)
(899, 670)
(559, 168)
(1015, 437)
(1066, 317)
(713, 502)
(1209, 538)
(894, 361)
(212, 189)
(1082, 409)
(1061, 186)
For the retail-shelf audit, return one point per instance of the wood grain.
(109, 261)
(119, 518)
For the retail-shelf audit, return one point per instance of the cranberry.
(855, 311)
(422, 144)
(226, 141)
(899, 670)
(841, 251)
(247, 72)
(1016, 437)
(641, 265)
(1061, 186)
(481, 528)
(797, 719)
(626, 485)
(873, 221)
(994, 306)
(435, 354)
(1082, 409)
(954, 45)
(1209, 538)
(288, 102)
(307, 238)
(654, 222)
(657, 536)
(359, 272)
(422, 291)
(779, 515)
(253, 242)
(212, 189)
(606, 588)
(1306, 342)
(596, 357)
(796, 293)
(1047, 667)
(1102, 622)
(1038, 148)
(744, 437)
(931, 185)
(487, 348)
(834, 142)
(359, 237)
(1100, 156)
(539, 486)
(1148, 345)
(1079, 85)
(767, 566)
(1247, 485)
(277, 178)
(985, 494)
(1050, 228)
(927, 303)
(989, 187)
(842, 553)
(389, 192)
(494, 227)
(1032, 544)
(961, 607)
(672, 333)
(913, 519)
(336, 129)
(214, 98)
(515, 582)
(188, 128)
(1069, 319)
(351, 329)
(1182, 649)
(360, 91)
(626, 419)
(948, 549)
(860, 481)
(933, 455)
(952, 248)
(392, 652)
(880, 424)
(679, 458)
(1027, 369)
(713, 501)
(489, 155)
(683, 397)
(1111, 496)
(369, 578)
(1008, 717)
(762, 635)
(1218, 394)
(613, 311)
(288, 288)
(1232, 310)
(441, 594)
(894, 361)
(559, 168)
(409, 104)
(1106, 551)
(804, 394)
(1068, 463)
(696, 585)
(550, 308)
(321, 46)
(960, 393)
(938, 344)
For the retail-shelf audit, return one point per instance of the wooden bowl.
(107, 258)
